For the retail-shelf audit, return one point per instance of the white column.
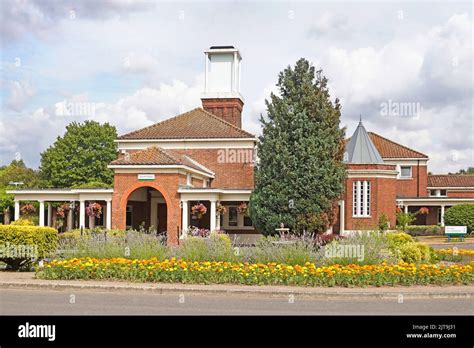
(41, 213)
(50, 213)
(69, 219)
(342, 215)
(17, 210)
(218, 221)
(82, 214)
(406, 208)
(185, 214)
(442, 215)
(213, 215)
(108, 222)
(206, 74)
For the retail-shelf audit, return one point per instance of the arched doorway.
(146, 209)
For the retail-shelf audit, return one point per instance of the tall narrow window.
(361, 198)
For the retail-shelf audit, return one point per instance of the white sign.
(146, 176)
(455, 230)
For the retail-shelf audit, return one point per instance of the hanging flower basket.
(94, 209)
(242, 208)
(28, 209)
(63, 209)
(423, 211)
(199, 210)
(221, 209)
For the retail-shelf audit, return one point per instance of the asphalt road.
(94, 302)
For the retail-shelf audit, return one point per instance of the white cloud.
(20, 92)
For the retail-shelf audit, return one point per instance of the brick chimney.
(222, 84)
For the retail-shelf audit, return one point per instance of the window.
(432, 192)
(233, 220)
(442, 193)
(405, 171)
(438, 193)
(233, 217)
(361, 199)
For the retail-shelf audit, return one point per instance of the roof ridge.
(393, 142)
(225, 122)
(166, 153)
(159, 123)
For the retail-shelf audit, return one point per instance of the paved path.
(27, 280)
(97, 302)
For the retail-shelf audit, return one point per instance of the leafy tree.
(300, 174)
(16, 171)
(80, 156)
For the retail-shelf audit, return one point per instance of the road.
(95, 302)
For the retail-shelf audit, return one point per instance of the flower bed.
(181, 271)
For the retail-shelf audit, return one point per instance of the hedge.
(460, 215)
(425, 230)
(20, 245)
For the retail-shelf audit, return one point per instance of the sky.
(406, 67)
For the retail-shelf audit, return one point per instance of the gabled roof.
(159, 156)
(390, 149)
(360, 148)
(194, 124)
(451, 180)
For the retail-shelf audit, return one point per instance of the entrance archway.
(146, 209)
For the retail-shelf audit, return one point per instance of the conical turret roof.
(361, 149)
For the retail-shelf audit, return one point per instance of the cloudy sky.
(134, 63)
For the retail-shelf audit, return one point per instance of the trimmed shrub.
(403, 246)
(22, 244)
(217, 247)
(425, 230)
(460, 215)
(22, 222)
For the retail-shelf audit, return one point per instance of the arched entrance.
(146, 209)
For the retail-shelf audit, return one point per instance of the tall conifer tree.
(300, 175)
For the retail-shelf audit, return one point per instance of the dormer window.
(405, 172)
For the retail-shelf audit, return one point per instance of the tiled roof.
(451, 180)
(194, 124)
(390, 149)
(159, 156)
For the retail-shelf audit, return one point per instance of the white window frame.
(406, 177)
(361, 200)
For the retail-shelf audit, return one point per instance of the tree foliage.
(80, 156)
(300, 174)
(460, 215)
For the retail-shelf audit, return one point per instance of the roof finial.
(360, 117)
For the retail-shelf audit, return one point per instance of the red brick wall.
(229, 109)
(382, 195)
(167, 184)
(408, 187)
(460, 193)
(228, 175)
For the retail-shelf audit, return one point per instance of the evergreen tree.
(80, 156)
(300, 175)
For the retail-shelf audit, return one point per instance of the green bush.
(22, 222)
(399, 238)
(425, 230)
(404, 220)
(383, 223)
(460, 215)
(20, 245)
(115, 243)
(217, 247)
(409, 252)
(88, 233)
(274, 249)
(403, 246)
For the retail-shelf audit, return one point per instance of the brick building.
(204, 156)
